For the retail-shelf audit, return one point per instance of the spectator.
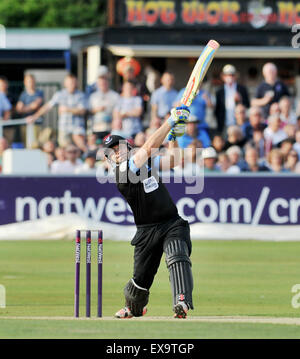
(70, 165)
(296, 145)
(287, 115)
(227, 97)
(71, 109)
(3, 147)
(192, 132)
(31, 99)
(49, 147)
(60, 154)
(89, 165)
(139, 139)
(235, 156)
(4, 85)
(274, 109)
(256, 122)
(198, 106)
(258, 142)
(191, 166)
(273, 134)
(225, 165)
(285, 147)
(276, 161)
(291, 161)
(270, 90)
(163, 98)
(210, 156)
(92, 142)
(5, 110)
(235, 137)
(290, 130)
(252, 164)
(50, 159)
(218, 143)
(127, 114)
(101, 105)
(102, 71)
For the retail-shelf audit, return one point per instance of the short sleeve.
(55, 99)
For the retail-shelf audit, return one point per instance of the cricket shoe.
(125, 313)
(181, 310)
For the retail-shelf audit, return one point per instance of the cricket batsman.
(159, 227)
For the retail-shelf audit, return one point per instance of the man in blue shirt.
(163, 98)
(198, 106)
(193, 132)
(31, 99)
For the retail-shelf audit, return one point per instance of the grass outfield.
(231, 278)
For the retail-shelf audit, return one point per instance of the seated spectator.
(60, 154)
(101, 105)
(287, 114)
(290, 130)
(252, 164)
(296, 145)
(273, 134)
(285, 147)
(227, 97)
(191, 163)
(256, 122)
(92, 142)
(270, 90)
(210, 157)
(163, 98)
(225, 165)
(193, 132)
(3, 147)
(218, 143)
(258, 142)
(139, 139)
(235, 137)
(291, 161)
(241, 118)
(70, 165)
(235, 156)
(274, 109)
(276, 161)
(127, 114)
(50, 159)
(198, 106)
(71, 110)
(49, 147)
(89, 165)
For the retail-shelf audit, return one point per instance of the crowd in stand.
(259, 134)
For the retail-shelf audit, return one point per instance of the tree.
(53, 13)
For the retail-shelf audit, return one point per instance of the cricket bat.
(199, 72)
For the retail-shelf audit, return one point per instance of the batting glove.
(177, 131)
(180, 113)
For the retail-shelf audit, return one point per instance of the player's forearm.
(42, 111)
(157, 138)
